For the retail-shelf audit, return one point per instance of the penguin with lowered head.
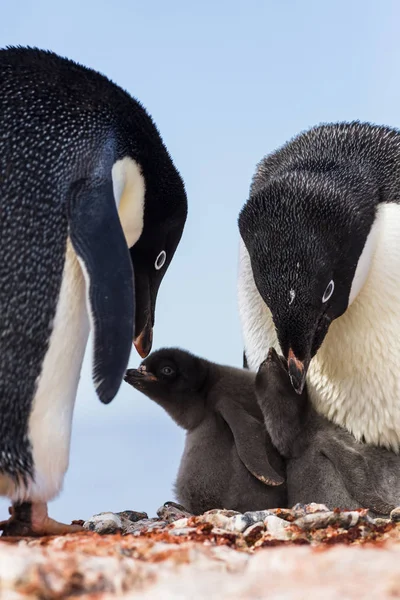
(228, 460)
(324, 462)
(319, 270)
(92, 210)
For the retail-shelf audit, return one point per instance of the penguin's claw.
(31, 520)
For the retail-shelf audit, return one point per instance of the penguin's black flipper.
(98, 240)
(250, 440)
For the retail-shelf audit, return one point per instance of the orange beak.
(144, 341)
(297, 372)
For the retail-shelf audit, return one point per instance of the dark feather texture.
(61, 123)
(324, 462)
(228, 457)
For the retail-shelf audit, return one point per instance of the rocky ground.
(306, 552)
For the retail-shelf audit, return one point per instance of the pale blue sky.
(226, 82)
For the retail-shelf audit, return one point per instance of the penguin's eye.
(160, 260)
(329, 291)
(167, 371)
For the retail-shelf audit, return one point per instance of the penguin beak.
(147, 283)
(300, 333)
(136, 376)
(144, 313)
(144, 341)
(306, 346)
(297, 371)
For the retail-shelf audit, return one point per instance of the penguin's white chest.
(53, 404)
(354, 379)
(51, 417)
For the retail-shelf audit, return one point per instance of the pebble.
(242, 521)
(298, 510)
(180, 523)
(170, 512)
(233, 521)
(308, 509)
(178, 531)
(380, 521)
(320, 520)
(222, 519)
(252, 525)
(277, 528)
(145, 525)
(254, 532)
(395, 514)
(106, 522)
(222, 511)
(132, 515)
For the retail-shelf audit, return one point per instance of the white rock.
(180, 523)
(277, 527)
(106, 522)
(395, 514)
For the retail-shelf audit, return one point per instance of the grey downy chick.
(325, 463)
(228, 460)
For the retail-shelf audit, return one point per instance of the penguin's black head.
(304, 234)
(176, 380)
(151, 257)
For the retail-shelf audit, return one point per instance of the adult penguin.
(92, 210)
(319, 272)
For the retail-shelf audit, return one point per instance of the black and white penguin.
(92, 210)
(228, 459)
(324, 462)
(319, 271)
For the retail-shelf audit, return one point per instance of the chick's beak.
(136, 376)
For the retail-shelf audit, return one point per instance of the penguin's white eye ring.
(329, 291)
(160, 260)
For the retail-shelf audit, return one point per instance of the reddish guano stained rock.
(307, 551)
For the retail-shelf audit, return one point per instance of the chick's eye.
(167, 371)
(160, 260)
(329, 291)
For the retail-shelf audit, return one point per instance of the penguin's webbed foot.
(32, 520)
